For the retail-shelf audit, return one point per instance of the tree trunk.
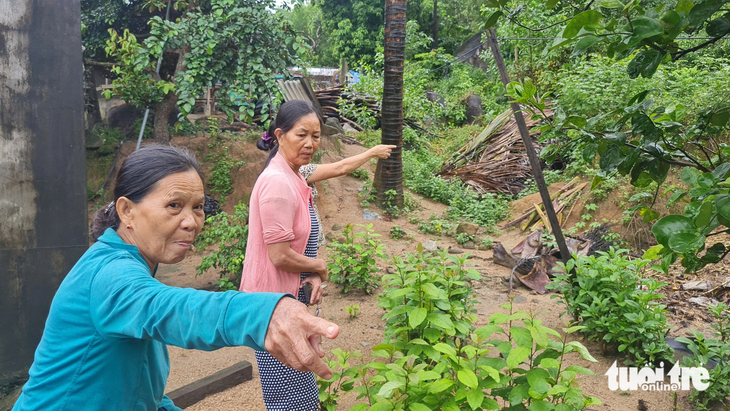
(167, 106)
(163, 110)
(389, 172)
(435, 43)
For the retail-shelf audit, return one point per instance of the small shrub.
(435, 226)
(397, 233)
(389, 203)
(352, 262)
(486, 243)
(342, 380)
(353, 310)
(614, 304)
(230, 233)
(463, 238)
(360, 174)
(715, 349)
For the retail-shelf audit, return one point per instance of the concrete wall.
(43, 223)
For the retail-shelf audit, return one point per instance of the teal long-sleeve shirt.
(104, 346)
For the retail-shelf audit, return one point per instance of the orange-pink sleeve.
(277, 206)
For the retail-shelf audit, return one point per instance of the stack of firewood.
(331, 98)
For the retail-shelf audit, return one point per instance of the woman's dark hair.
(289, 113)
(138, 175)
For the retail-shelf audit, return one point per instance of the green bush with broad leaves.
(230, 233)
(615, 305)
(707, 350)
(515, 362)
(435, 359)
(648, 36)
(352, 262)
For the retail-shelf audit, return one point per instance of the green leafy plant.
(435, 359)
(342, 381)
(230, 234)
(220, 181)
(360, 174)
(352, 261)
(353, 310)
(706, 350)
(615, 305)
(435, 226)
(463, 238)
(513, 361)
(225, 284)
(397, 233)
(486, 243)
(389, 203)
(367, 194)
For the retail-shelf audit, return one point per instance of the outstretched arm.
(349, 164)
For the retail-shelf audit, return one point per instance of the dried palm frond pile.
(496, 160)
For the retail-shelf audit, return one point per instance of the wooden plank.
(307, 86)
(196, 391)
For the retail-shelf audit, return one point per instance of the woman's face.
(299, 144)
(167, 220)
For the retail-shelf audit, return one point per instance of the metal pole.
(157, 70)
(534, 160)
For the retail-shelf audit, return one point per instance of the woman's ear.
(124, 209)
(278, 133)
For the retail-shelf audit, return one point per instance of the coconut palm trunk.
(389, 172)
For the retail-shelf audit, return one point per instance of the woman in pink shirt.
(281, 254)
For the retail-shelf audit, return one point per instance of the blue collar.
(113, 240)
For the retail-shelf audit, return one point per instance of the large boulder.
(332, 126)
(473, 108)
(123, 117)
(435, 98)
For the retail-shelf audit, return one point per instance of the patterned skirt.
(284, 388)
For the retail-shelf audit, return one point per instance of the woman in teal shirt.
(104, 346)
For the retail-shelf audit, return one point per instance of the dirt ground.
(339, 206)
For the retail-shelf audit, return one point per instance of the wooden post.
(344, 71)
(534, 160)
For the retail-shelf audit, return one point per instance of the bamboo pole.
(532, 156)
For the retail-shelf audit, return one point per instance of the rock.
(473, 108)
(467, 228)
(455, 251)
(469, 245)
(390, 269)
(349, 129)
(93, 141)
(701, 285)
(337, 227)
(330, 237)
(435, 98)
(430, 245)
(334, 123)
(370, 215)
(329, 130)
(364, 343)
(519, 299)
